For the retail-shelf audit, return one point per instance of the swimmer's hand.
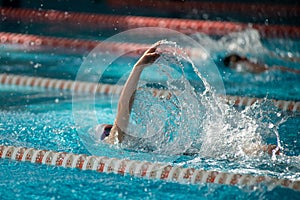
(270, 149)
(149, 57)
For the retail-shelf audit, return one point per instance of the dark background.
(267, 11)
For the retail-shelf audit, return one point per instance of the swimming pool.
(41, 118)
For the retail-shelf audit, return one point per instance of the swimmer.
(243, 64)
(115, 134)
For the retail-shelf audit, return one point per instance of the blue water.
(43, 119)
(43, 122)
(27, 181)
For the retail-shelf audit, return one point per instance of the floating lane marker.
(292, 106)
(77, 46)
(156, 171)
(60, 84)
(87, 87)
(36, 42)
(187, 26)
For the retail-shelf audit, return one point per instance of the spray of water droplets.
(192, 119)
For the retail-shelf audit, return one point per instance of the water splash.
(249, 42)
(194, 119)
(269, 118)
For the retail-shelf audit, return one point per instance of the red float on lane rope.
(126, 22)
(72, 45)
(88, 87)
(156, 171)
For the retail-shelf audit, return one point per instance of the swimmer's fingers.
(270, 149)
(148, 59)
(273, 149)
(152, 57)
(153, 48)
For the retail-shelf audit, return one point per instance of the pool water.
(43, 119)
(43, 122)
(59, 183)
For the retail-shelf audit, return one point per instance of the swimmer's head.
(231, 59)
(102, 131)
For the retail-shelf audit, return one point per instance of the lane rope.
(186, 26)
(35, 42)
(89, 87)
(144, 169)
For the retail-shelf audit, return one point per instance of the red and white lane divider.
(88, 87)
(284, 105)
(187, 26)
(59, 84)
(156, 171)
(36, 42)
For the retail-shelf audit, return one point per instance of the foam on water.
(250, 42)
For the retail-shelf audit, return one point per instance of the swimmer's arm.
(270, 149)
(127, 95)
(259, 68)
(285, 69)
(254, 67)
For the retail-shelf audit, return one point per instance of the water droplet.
(37, 65)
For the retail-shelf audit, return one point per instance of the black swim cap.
(228, 59)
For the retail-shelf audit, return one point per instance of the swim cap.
(102, 131)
